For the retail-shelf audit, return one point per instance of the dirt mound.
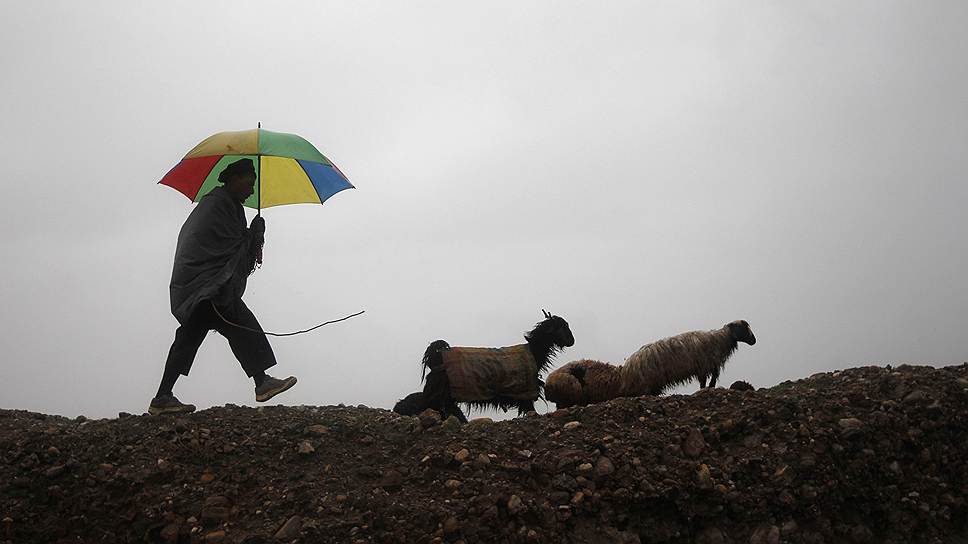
(864, 455)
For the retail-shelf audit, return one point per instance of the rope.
(243, 327)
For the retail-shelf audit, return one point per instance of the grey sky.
(640, 168)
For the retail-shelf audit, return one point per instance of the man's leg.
(188, 338)
(252, 349)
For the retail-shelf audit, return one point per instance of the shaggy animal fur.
(582, 382)
(652, 369)
(411, 405)
(544, 341)
(742, 386)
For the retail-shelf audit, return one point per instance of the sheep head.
(558, 327)
(563, 335)
(741, 332)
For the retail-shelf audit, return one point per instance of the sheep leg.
(524, 407)
(437, 395)
(702, 381)
(454, 410)
(715, 377)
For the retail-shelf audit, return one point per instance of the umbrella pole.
(258, 199)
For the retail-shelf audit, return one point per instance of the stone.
(918, 395)
(767, 534)
(808, 492)
(703, 478)
(215, 536)
(451, 525)
(515, 505)
(317, 430)
(861, 533)
(429, 418)
(392, 480)
(564, 481)
(787, 498)
(305, 448)
(452, 484)
(694, 443)
(604, 467)
(216, 514)
(462, 456)
(290, 529)
(451, 424)
(169, 533)
(216, 500)
(850, 425)
(808, 460)
(710, 535)
(784, 474)
(571, 425)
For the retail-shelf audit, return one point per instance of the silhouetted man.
(213, 259)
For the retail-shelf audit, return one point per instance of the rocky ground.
(864, 455)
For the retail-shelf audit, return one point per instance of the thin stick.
(243, 327)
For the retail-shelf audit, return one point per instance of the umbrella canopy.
(289, 170)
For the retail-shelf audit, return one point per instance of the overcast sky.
(639, 168)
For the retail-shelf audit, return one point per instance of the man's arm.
(257, 238)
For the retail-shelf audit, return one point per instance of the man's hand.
(258, 225)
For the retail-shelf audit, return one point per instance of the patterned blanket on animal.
(477, 374)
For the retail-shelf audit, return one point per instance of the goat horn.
(546, 314)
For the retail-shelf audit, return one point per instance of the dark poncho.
(214, 256)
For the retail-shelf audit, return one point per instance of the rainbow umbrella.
(289, 170)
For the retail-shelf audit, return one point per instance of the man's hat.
(237, 168)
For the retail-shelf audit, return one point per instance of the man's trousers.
(250, 348)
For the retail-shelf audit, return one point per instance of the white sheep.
(652, 369)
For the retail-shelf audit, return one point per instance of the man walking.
(213, 259)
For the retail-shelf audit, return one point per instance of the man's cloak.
(214, 255)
